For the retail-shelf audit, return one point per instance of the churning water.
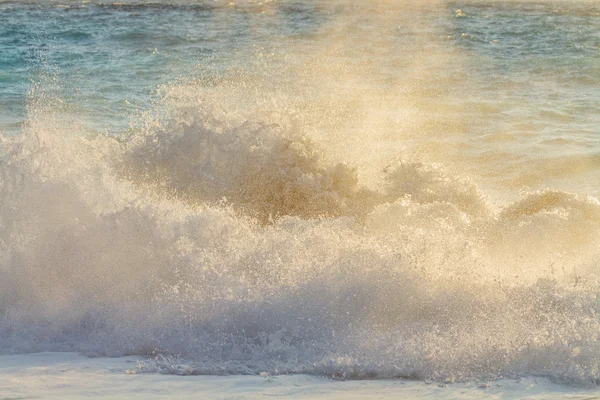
(360, 189)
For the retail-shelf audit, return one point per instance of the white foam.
(111, 249)
(69, 376)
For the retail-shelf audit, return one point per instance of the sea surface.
(344, 189)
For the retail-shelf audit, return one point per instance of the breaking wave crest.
(269, 171)
(223, 246)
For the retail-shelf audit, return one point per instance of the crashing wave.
(223, 246)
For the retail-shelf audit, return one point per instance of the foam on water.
(236, 248)
(232, 230)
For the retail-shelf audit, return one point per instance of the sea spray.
(130, 248)
(304, 218)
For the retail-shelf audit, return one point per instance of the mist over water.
(351, 189)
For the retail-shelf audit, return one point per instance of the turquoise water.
(109, 57)
(530, 69)
(355, 189)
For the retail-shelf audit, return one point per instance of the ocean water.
(350, 189)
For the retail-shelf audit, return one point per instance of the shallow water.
(349, 189)
(69, 376)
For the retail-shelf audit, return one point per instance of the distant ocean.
(343, 189)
